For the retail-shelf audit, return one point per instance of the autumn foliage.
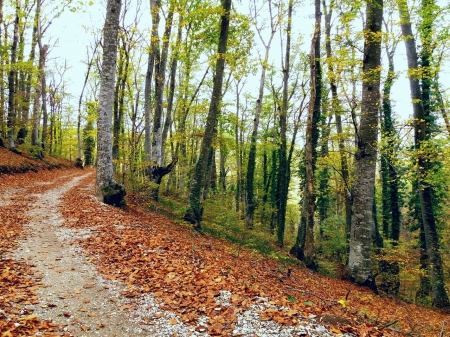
(186, 271)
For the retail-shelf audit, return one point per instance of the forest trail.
(82, 268)
(75, 296)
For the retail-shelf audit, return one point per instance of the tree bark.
(12, 113)
(421, 138)
(195, 208)
(283, 168)
(304, 247)
(359, 262)
(107, 189)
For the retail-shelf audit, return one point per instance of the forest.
(277, 124)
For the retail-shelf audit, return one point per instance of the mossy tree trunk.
(422, 123)
(195, 208)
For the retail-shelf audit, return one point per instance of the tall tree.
(362, 226)
(12, 113)
(390, 179)
(332, 77)
(304, 247)
(274, 21)
(107, 189)
(421, 111)
(195, 208)
(283, 167)
(156, 170)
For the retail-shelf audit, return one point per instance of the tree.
(12, 113)
(195, 209)
(304, 247)
(250, 203)
(362, 226)
(156, 171)
(108, 190)
(422, 123)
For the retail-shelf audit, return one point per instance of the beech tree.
(108, 190)
(362, 226)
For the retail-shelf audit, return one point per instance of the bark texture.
(105, 184)
(362, 226)
(421, 136)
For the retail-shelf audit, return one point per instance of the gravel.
(76, 296)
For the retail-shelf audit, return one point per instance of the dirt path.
(73, 294)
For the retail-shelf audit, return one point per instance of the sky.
(72, 36)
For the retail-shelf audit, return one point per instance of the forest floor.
(71, 266)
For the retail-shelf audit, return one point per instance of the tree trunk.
(337, 114)
(119, 96)
(195, 208)
(12, 113)
(43, 49)
(251, 205)
(283, 168)
(148, 105)
(421, 137)
(90, 63)
(304, 247)
(28, 76)
(156, 168)
(359, 262)
(391, 202)
(106, 188)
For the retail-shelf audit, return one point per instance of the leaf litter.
(89, 269)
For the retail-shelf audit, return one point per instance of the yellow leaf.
(173, 321)
(29, 317)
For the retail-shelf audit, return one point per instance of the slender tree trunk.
(156, 170)
(391, 202)
(107, 190)
(237, 195)
(119, 97)
(80, 101)
(44, 104)
(421, 137)
(251, 205)
(195, 209)
(160, 80)
(12, 113)
(148, 105)
(283, 179)
(304, 247)
(171, 95)
(359, 262)
(337, 115)
(27, 76)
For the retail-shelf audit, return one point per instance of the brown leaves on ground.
(186, 271)
(17, 280)
(19, 163)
